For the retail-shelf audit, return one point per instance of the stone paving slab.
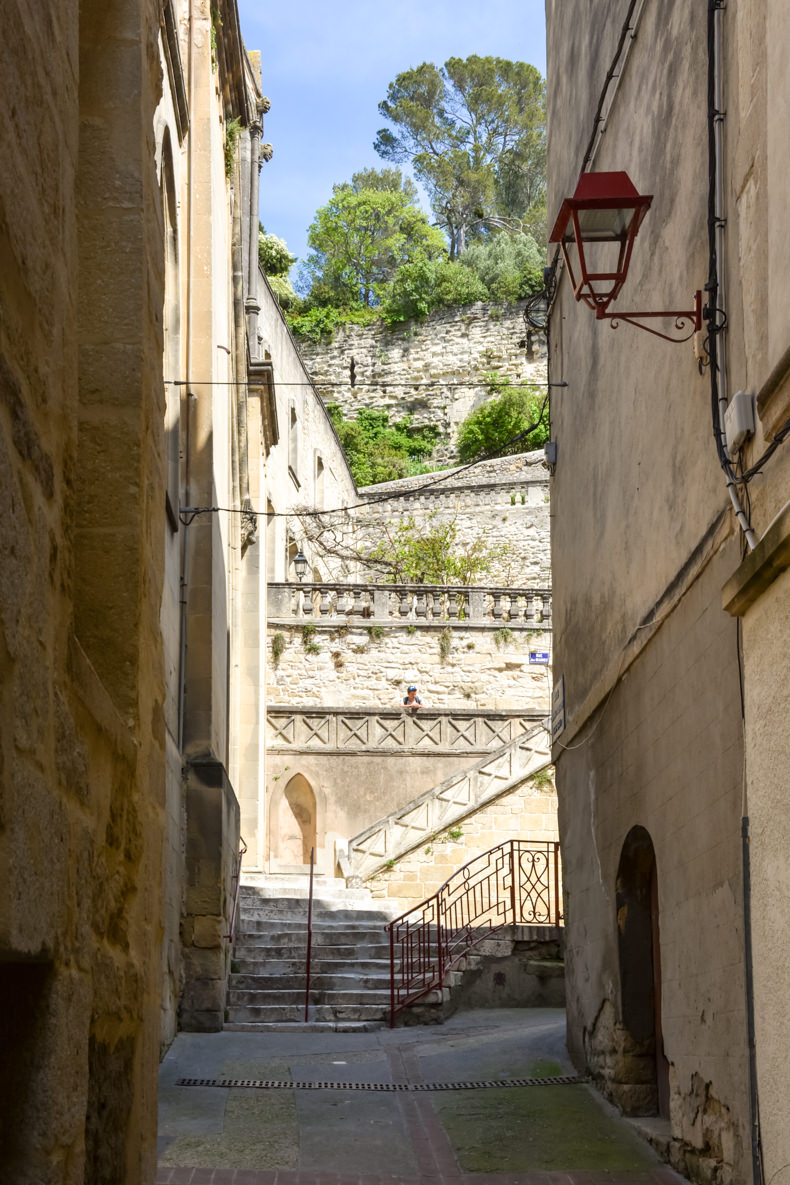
(535, 1135)
(202, 1176)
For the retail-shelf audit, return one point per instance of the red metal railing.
(517, 883)
(237, 879)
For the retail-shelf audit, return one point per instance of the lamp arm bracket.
(687, 322)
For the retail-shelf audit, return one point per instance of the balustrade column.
(381, 602)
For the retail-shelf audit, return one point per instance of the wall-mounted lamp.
(596, 229)
(300, 565)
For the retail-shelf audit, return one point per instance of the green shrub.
(420, 287)
(232, 133)
(278, 647)
(490, 428)
(320, 323)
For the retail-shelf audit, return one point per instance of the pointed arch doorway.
(294, 827)
(639, 948)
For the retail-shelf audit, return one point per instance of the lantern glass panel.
(612, 223)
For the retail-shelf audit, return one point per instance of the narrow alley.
(489, 1098)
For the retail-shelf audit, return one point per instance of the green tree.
(362, 236)
(511, 411)
(431, 284)
(474, 132)
(379, 451)
(429, 554)
(510, 265)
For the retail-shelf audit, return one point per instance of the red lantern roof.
(603, 191)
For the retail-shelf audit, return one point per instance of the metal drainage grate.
(390, 1087)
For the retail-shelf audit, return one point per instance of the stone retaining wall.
(433, 369)
(371, 666)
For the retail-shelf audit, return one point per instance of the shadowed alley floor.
(482, 1134)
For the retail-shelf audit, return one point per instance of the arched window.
(319, 482)
(293, 443)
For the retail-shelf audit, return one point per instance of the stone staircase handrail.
(359, 601)
(448, 803)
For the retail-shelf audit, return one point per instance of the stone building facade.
(128, 305)
(82, 673)
(670, 619)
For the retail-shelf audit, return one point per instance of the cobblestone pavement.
(486, 1132)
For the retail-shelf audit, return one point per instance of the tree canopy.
(430, 553)
(360, 238)
(474, 132)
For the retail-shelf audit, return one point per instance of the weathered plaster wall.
(641, 533)
(529, 813)
(432, 369)
(81, 698)
(666, 755)
(757, 188)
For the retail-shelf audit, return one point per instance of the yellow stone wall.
(81, 668)
(530, 813)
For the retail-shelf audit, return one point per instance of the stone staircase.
(349, 980)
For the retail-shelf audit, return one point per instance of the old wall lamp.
(596, 229)
(301, 565)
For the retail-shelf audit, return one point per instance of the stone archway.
(295, 826)
(639, 948)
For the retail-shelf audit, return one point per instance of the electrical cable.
(188, 514)
(357, 383)
(715, 317)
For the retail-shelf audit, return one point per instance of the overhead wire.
(188, 514)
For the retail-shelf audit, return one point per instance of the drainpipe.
(252, 304)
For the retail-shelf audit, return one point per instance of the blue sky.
(326, 67)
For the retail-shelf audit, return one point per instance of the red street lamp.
(598, 225)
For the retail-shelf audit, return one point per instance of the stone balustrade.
(410, 603)
(359, 730)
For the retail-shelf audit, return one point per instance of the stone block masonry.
(432, 370)
(530, 812)
(330, 663)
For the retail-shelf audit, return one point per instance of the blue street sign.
(539, 656)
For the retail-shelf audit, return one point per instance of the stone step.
(262, 1013)
(239, 997)
(285, 967)
(325, 939)
(335, 958)
(265, 885)
(326, 918)
(301, 1026)
(319, 981)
